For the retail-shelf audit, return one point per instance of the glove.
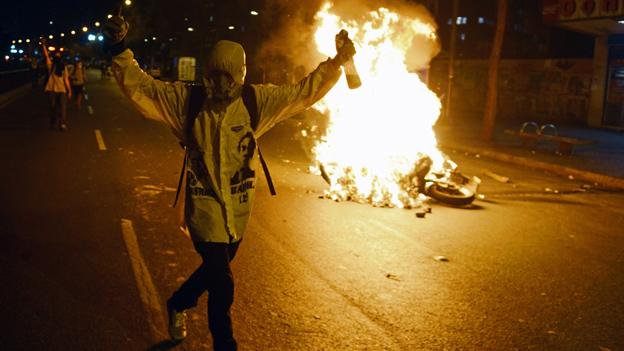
(344, 47)
(115, 31)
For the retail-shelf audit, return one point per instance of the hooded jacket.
(221, 177)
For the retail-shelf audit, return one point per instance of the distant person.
(34, 72)
(222, 156)
(78, 79)
(103, 70)
(58, 89)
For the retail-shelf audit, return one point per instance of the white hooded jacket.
(222, 172)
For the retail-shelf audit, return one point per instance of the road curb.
(10, 96)
(579, 174)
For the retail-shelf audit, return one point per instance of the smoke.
(290, 50)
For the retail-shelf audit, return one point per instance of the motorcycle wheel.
(451, 194)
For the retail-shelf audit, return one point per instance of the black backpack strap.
(197, 97)
(249, 99)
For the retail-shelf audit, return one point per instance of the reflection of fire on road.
(379, 132)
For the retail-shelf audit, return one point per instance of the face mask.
(223, 86)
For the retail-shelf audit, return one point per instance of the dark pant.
(58, 108)
(213, 275)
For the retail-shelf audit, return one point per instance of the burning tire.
(451, 194)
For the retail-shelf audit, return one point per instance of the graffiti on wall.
(549, 90)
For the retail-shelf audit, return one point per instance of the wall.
(536, 90)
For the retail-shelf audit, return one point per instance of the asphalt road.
(538, 264)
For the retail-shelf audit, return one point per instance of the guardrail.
(14, 79)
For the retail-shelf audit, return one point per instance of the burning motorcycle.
(447, 185)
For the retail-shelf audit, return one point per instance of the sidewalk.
(602, 162)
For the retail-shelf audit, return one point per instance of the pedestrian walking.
(78, 78)
(58, 89)
(219, 129)
(34, 72)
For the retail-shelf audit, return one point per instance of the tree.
(491, 98)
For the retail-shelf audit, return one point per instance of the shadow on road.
(164, 345)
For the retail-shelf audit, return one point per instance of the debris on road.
(440, 258)
(393, 277)
(497, 177)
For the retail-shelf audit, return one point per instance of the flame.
(378, 132)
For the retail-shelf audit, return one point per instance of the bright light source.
(73, 32)
(28, 40)
(100, 38)
(51, 48)
(109, 16)
(12, 46)
(62, 49)
(190, 29)
(231, 27)
(85, 29)
(621, 21)
(51, 22)
(62, 34)
(13, 42)
(254, 13)
(13, 51)
(91, 37)
(50, 36)
(19, 41)
(153, 38)
(6, 57)
(128, 2)
(146, 40)
(97, 24)
(20, 51)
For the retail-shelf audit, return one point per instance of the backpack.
(196, 102)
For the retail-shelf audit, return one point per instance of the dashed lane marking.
(147, 290)
(90, 109)
(100, 140)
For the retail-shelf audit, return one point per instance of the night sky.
(30, 19)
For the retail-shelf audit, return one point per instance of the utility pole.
(451, 65)
(489, 116)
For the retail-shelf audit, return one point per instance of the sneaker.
(177, 324)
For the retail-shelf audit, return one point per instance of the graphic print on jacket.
(242, 180)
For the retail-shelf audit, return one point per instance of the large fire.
(378, 132)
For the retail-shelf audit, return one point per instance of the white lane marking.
(100, 140)
(147, 290)
(90, 109)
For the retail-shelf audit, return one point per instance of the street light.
(19, 41)
(73, 32)
(109, 16)
(190, 29)
(128, 2)
(51, 22)
(254, 13)
(91, 37)
(62, 34)
(97, 24)
(231, 27)
(50, 36)
(13, 42)
(85, 29)
(28, 40)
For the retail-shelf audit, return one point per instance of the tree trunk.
(489, 116)
(451, 65)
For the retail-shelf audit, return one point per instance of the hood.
(228, 56)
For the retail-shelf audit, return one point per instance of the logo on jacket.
(243, 178)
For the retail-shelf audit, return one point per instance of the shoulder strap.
(197, 97)
(249, 100)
